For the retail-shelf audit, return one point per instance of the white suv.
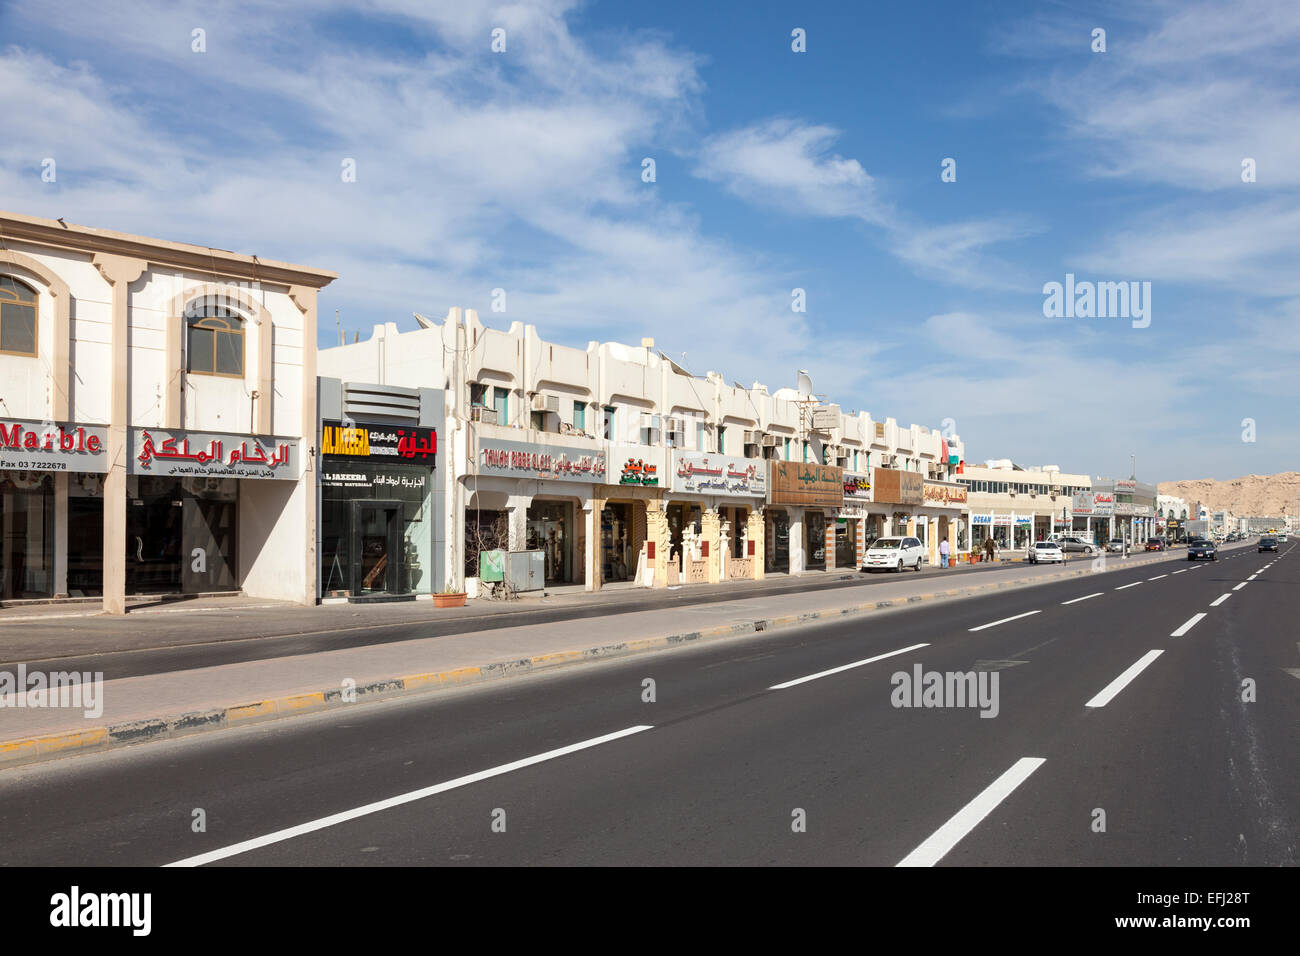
(894, 554)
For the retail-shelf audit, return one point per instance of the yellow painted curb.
(250, 711)
(72, 741)
(299, 702)
(18, 749)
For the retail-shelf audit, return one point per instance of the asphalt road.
(743, 738)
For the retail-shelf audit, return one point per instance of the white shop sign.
(155, 451)
(46, 446)
(719, 474)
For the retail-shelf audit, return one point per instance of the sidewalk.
(157, 706)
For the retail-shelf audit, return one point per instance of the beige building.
(621, 466)
(158, 407)
(1015, 505)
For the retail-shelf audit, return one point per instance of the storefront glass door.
(846, 552)
(26, 535)
(207, 537)
(378, 540)
(549, 524)
(814, 523)
(778, 541)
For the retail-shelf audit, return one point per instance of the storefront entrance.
(846, 542)
(777, 555)
(814, 523)
(377, 555)
(617, 557)
(550, 530)
(180, 535)
(376, 529)
(26, 534)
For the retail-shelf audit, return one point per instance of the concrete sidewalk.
(158, 706)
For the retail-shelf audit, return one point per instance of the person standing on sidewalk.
(988, 548)
(943, 553)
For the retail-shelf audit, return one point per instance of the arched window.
(17, 317)
(214, 339)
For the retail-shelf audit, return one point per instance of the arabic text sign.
(805, 483)
(45, 446)
(156, 451)
(899, 487)
(401, 443)
(525, 460)
(1082, 503)
(943, 494)
(719, 474)
(857, 486)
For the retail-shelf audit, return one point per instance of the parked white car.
(894, 554)
(1046, 551)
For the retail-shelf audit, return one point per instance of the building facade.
(1015, 506)
(159, 405)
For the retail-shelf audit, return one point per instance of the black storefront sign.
(399, 444)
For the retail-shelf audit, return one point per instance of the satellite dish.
(805, 383)
(425, 323)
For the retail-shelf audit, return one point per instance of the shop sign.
(637, 471)
(805, 483)
(1024, 520)
(512, 459)
(851, 510)
(1002, 521)
(1126, 486)
(719, 474)
(1081, 504)
(899, 487)
(936, 493)
(45, 446)
(342, 478)
(857, 486)
(379, 442)
(981, 519)
(1124, 509)
(155, 451)
(1103, 504)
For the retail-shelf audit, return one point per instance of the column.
(119, 272)
(517, 521)
(593, 556)
(828, 542)
(711, 542)
(797, 559)
(304, 298)
(657, 540)
(756, 531)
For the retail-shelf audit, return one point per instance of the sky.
(524, 169)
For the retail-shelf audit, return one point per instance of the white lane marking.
(1180, 572)
(1003, 621)
(1084, 598)
(846, 667)
(1252, 577)
(1125, 587)
(1220, 599)
(1187, 625)
(1158, 577)
(936, 847)
(1123, 680)
(336, 818)
(1241, 585)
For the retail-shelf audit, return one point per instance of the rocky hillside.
(1252, 495)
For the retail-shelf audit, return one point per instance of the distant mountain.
(1271, 495)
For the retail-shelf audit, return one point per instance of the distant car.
(1281, 539)
(1201, 548)
(1115, 544)
(894, 554)
(1046, 551)
(1076, 544)
(1267, 544)
(1156, 544)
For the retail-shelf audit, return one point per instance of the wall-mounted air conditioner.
(771, 441)
(480, 413)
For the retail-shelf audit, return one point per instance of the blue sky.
(775, 170)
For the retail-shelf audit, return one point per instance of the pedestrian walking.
(988, 549)
(943, 553)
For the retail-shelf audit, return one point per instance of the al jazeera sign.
(394, 443)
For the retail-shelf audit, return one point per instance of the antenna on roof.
(338, 325)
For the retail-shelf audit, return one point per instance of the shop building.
(625, 468)
(1015, 505)
(381, 501)
(160, 394)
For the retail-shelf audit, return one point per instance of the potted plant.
(449, 597)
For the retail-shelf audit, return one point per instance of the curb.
(97, 739)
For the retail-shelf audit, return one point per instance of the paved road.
(175, 639)
(580, 769)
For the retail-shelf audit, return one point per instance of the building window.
(787, 448)
(501, 401)
(17, 317)
(699, 437)
(478, 394)
(215, 340)
(608, 431)
(722, 440)
(580, 416)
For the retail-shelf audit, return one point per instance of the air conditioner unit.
(539, 403)
(674, 425)
(771, 441)
(481, 413)
(753, 438)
